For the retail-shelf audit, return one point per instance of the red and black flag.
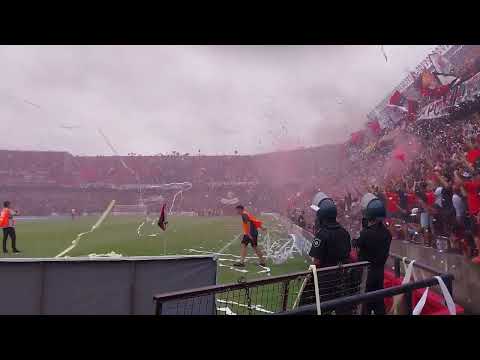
(397, 106)
(397, 99)
(162, 220)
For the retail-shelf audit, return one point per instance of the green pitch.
(185, 235)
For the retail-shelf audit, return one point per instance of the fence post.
(285, 295)
(397, 267)
(249, 300)
(158, 307)
(449, 284)
(408, 299)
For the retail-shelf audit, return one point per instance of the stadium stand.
(415, 150)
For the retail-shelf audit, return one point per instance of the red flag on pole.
(162, 219)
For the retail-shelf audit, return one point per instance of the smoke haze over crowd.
(156, 99)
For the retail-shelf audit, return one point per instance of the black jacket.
(374, 245)
(331, 245)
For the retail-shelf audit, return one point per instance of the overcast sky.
(155, 99)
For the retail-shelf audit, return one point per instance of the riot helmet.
(372, 207)
(324, 206)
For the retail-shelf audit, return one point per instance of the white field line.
(234, 268)
(235, 238)
(226, 310)
(258, 308)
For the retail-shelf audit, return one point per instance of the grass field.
(185, 235)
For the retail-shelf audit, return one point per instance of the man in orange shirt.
(7, 223)
(250, 227)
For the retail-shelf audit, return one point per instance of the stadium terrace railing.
(397, 260)
(267, 295)
(360, 299)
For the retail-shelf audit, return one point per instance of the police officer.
(331, 245)
(374, 246)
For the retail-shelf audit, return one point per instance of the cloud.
(151, 99)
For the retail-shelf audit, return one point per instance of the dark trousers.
(9, 231)
(375, 282)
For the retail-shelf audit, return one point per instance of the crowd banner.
(436, 109)
(468, 90)
(465, 92)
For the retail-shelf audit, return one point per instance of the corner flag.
(162, 219)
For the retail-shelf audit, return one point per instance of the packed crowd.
(42, 183)
(425, 165)
(428, 175)
(427, 172)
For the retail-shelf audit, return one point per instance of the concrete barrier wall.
(466, 286)
(100, 286)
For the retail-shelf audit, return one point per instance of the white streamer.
(189, 186)
(252, 307)
(282, 249)
(234, 268)
(95, 226)
(421, 303)
(446, 295)
(266, 269)
(297, 300)
(140, 228)
(226, 310)
(109, 144)
(133, 172)
(382, 49)
(110, 254)
(317, 292)
(409, 272)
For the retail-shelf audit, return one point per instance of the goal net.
(138, 209)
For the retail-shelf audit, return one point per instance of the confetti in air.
(32, 104)
(133, 172)
(383, 52)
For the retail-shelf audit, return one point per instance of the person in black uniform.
(374, 246)
(331, 247)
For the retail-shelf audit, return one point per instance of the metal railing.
(361, 299)
(267, 295)
(353, 300)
